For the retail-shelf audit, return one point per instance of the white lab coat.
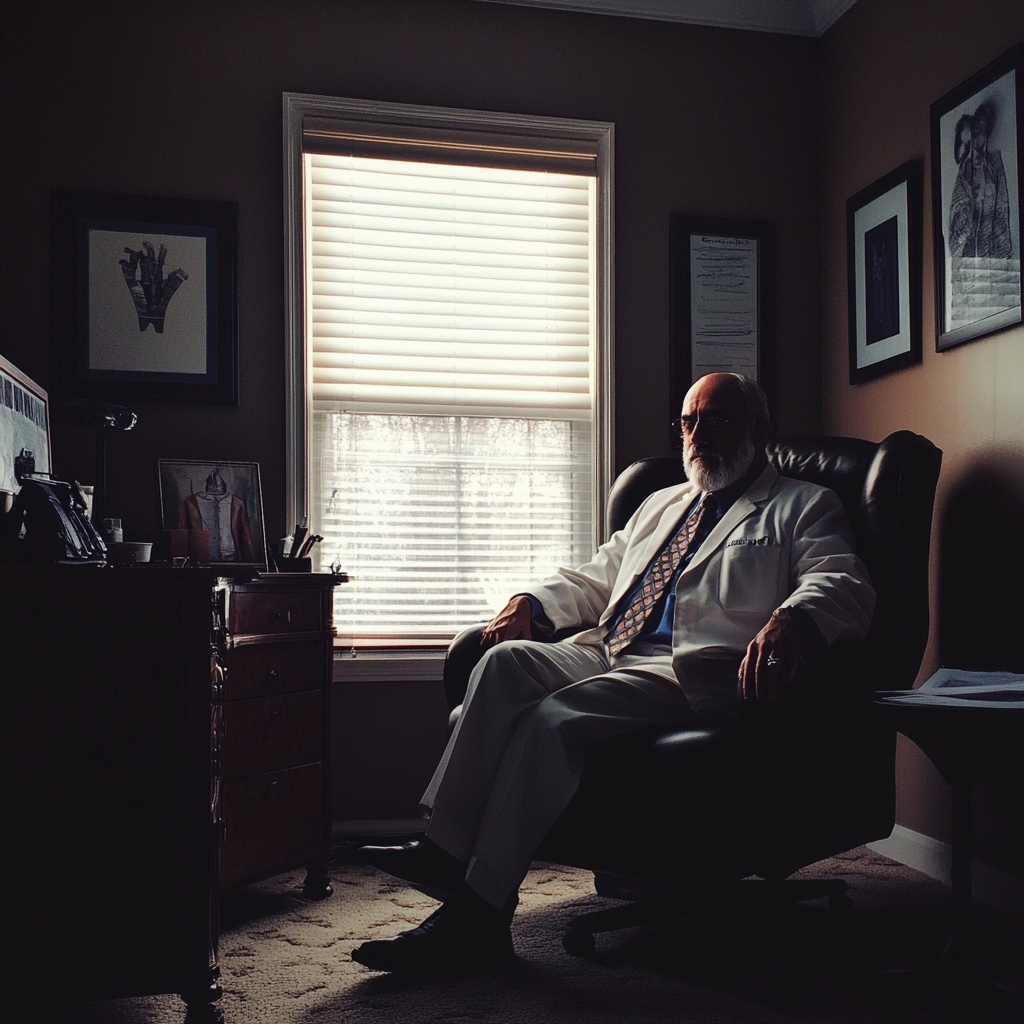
(782, 543)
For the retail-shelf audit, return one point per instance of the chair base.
(667, 909)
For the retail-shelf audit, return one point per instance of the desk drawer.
(270, 733)
(271, 822)
(259, 670)
(252, 612)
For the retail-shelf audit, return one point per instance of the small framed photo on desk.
(222, 498)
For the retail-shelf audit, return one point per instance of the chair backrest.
(888, 490)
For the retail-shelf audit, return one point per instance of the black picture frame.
(734, 326)
(976, 213)
(182, 481)
(883, 265)
(144, 298)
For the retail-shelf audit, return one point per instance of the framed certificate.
(722, 302)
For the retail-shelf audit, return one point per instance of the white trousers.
(514, 760)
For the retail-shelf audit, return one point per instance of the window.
(449, 354)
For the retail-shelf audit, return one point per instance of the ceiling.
(790, 17)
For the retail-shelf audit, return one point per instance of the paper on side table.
(953, 687)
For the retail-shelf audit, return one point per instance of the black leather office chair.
(685, 814)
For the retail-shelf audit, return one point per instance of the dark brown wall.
(883, 64)
(186, 101)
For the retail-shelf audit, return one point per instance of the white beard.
(725, 472)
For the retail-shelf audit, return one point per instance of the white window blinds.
(449, 355)
(450, 323)
(442, 289)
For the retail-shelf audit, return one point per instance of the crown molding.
(789, 17)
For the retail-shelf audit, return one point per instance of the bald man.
(705, 599)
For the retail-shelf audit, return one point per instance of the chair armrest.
(463, 654)
(690, 743)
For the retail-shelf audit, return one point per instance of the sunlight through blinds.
(450, 330)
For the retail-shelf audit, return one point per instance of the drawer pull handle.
(275, 715)
(275, 674)
(281, 617)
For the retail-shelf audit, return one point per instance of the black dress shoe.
(424, 864)
(450, 941)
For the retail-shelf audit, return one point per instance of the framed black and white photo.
(223, 498)
(144, 297)
(883, 265)
(976, 215)
(24, 424)
(722, 292)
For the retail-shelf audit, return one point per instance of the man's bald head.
(724, 428)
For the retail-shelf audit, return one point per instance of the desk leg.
(317, 885)
(958, 951)
(201, 1000)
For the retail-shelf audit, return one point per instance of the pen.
(297, 539)
(308, 545)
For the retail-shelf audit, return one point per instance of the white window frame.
(383, 116)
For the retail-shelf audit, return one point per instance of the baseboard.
(997, 888)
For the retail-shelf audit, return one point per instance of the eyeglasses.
(712, 422)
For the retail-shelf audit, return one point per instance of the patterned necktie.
(633, 619)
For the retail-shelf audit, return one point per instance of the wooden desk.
(143, 708)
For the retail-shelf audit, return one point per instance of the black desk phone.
(47, 524)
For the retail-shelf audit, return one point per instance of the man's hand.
(772, 657)
(511, 623)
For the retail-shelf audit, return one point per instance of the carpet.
(285, 960)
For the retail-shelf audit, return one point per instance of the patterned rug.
(286, 960)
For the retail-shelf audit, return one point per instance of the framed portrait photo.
(722, 293)
(144, 298)
(223, 498)
(883, 265)
(976, 216)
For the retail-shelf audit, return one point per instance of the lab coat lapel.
(745, 505)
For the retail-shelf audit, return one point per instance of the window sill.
(394, 665)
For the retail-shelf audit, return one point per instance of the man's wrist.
(810, 635)
(539, 621)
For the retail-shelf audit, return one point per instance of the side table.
(956, 736)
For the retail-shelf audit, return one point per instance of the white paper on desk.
(953, 687)
(953, 681)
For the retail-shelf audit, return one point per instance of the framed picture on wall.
(722, 293)
(223, 498)
(24, 426)
(976, 149)
(144, 298)
(883, 265)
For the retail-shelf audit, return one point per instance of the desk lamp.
(102, 417)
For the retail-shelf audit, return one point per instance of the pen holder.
(285, 564)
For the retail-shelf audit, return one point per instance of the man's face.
(720, 440)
